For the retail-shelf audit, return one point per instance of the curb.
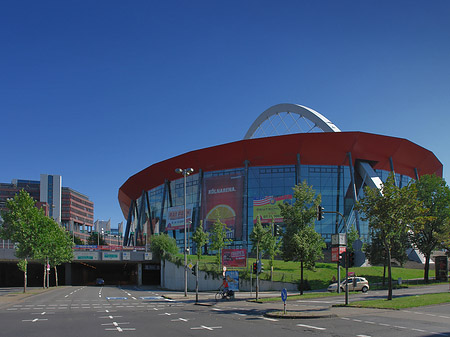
(298, 315)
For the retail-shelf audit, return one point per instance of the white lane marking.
(133, 297)
(363, 336)
(179, 319)
(312, 301)
(270, 319)
(310, 327)
(34, 320)
(115, 323)
(420, 330)
(210, 328)
(168, 314)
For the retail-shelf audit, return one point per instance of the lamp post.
(185, 173)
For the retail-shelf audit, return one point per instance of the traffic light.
(342, 259)
(277, 230)
(255, 268)
(260, 267)
(320, 210)
(351, 259)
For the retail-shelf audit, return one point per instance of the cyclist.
(226, 288)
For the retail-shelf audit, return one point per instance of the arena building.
(240, 181)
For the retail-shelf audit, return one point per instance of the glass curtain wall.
(332, 182)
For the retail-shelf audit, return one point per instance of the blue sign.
(284, 294)
(232, 279)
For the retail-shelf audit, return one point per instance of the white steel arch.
(288, 119)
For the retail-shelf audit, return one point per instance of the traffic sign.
(284, 294)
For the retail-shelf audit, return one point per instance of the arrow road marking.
(206, 327)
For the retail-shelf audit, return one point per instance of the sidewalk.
(9, 297)
(271, 309)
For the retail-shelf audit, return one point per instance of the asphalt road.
(112, 311)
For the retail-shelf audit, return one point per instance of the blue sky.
(98, 90)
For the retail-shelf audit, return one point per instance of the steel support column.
(245, 206)
(355, 195)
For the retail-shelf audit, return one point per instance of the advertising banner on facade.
(175, 217)
(234, 257)
(268, 207)
(222, 200)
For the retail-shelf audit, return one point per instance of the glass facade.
(209, 194)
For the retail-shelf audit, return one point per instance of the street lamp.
(185, 173)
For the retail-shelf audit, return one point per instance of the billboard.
(267, 207)
(222, 200)
(234, 257)
(175, 217)
(232, 279)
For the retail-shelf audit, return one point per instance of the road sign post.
(284, 298)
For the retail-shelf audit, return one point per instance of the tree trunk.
(384, 272)
(56, 276)
(389, 275)
(25, 277)
(301, 278)
(271, 273)
(257, 276)
(427, 268)
(45, 275)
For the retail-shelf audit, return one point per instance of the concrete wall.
(172, 278)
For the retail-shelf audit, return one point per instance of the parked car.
(354, 284)
(99, 282)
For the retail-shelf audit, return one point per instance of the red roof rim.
(325, 148)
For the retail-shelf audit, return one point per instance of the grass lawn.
(320, 278)
(404, 301)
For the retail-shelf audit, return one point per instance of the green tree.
(271, 246)
(162, 246)
(352, 236)
(60, 248)
(23, 265)
(21, 222)
(376, 253)
(78, 241)
(300, 241)
(391, 212)
(94, 239)
(257, 236)
(219, 240)
(434, 193)
(200, 238)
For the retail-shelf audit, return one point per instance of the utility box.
(441, 265)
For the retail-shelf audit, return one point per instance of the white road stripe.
(310, 326)
(270, 319)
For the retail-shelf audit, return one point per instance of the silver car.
(354, 284)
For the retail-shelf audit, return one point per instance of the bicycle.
(224, 295)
